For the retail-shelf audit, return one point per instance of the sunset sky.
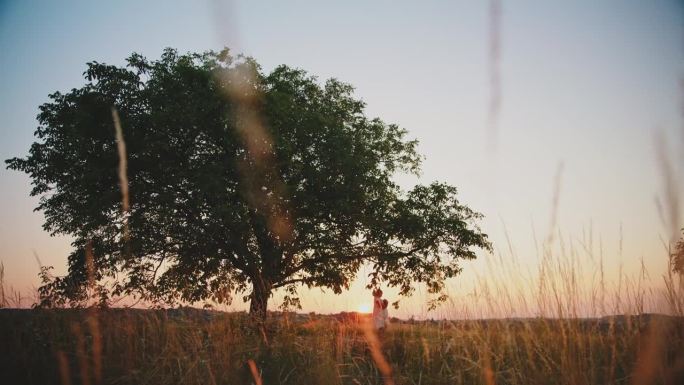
(586, 91)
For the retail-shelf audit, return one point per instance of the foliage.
(241, 182)
(677, 256)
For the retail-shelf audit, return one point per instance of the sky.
(587, 92)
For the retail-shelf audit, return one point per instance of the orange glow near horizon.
(364, 308)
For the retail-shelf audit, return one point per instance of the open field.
(190, 346)
(514, 170)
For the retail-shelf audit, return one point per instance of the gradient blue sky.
(585, 84)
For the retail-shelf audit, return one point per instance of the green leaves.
(240, 182)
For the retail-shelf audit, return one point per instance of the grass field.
(189, 346)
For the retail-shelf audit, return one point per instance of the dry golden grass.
(197, 347)
(553, 346)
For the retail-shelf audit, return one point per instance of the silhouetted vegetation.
(222, 179)
(677, 256)
(188, 346)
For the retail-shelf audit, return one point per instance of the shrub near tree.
(241, 183)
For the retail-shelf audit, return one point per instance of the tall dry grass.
(557, 345)
(164, 347)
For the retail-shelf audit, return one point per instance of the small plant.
(3, 300)
(677, 256)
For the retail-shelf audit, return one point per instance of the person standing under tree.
(378, 319)
(380, 312)
(385, 314)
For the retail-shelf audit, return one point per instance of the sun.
(364, 308)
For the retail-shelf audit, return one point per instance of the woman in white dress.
(378, 318)
(380, 312)
(385, 313)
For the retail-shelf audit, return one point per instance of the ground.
(189, 346)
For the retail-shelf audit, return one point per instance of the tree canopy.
(241, 182)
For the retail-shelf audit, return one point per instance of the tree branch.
(347, 258)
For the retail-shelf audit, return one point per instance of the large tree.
(240, 182)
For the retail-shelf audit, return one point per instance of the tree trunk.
(261, 290)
